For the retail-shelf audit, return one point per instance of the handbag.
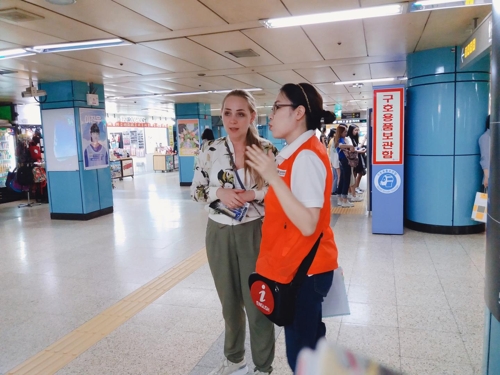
(352, 158)
(480, 209)
(276, 300)
(25, 176)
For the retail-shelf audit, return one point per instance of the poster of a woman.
(189, 137)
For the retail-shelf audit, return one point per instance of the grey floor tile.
(50, 288)
(427, 318)
(432, 345)
(379, 343)
(372, 314)
(413, 366)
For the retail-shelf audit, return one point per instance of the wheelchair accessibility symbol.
(387, 181)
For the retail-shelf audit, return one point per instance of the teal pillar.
(492, 279)
(446, 114)
(200, 114)
(79, 180)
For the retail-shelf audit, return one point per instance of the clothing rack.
(30, 203)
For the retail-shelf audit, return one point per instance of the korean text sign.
(388, 126)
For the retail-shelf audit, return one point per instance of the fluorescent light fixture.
(186, 93)
(176, 94)
(215, 109)
(75, 46)
(343, 15)
(12, 53)
(62, 2)
(365, 81)
(419, 6)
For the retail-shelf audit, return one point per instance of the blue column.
(74, 192)
(492, 288)
(200, 112)
(446, 114)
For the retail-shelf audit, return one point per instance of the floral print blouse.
(213, 171)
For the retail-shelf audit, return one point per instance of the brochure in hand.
(234, 213)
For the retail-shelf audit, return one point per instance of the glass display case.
(7, 153)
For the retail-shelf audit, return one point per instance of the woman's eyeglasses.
(278, 106)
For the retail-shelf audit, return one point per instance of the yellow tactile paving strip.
(62, 352)
(358, 209)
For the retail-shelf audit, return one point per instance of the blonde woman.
(233, 246)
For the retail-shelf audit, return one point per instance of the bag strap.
(306, 264)
(235, 170)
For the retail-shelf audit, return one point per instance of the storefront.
(139, 138)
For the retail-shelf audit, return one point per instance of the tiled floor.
(416, 300)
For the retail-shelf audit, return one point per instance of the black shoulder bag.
(277, 300)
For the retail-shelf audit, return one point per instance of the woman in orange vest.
(298, 210)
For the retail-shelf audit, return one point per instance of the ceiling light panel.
(76, 46)
(428, 5)
(344, 15)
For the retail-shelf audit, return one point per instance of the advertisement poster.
(128, 167)
(189, 137)
(59, 136)
(94, 138)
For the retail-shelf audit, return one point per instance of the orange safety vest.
(283, 246)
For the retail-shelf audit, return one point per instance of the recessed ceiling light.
(61, 2)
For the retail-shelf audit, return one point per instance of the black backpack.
(25, 176)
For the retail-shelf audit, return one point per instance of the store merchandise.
(7, 154)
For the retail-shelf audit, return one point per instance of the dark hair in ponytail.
(304, 94)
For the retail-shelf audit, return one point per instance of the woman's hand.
(247, 195)
(230, 197)
(265, 165)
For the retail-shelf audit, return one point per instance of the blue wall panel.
(435, 78)
(58, 91)
(436, 61)
(494, 357)
(429, 201)
(432, 119)
(65, 192)
(466, 186)
(105, 188)
(471, 114)
(90, 190)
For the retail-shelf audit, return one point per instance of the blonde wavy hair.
(252, 137)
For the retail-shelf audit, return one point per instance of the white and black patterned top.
(213, 171)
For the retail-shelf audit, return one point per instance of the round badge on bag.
(262, 297)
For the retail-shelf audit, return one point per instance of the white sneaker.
(229, 368)
(339, 202)
(349, 196)
(356, 199)
(347, 204)
(359, 191)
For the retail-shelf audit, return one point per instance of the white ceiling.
(181, 46)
